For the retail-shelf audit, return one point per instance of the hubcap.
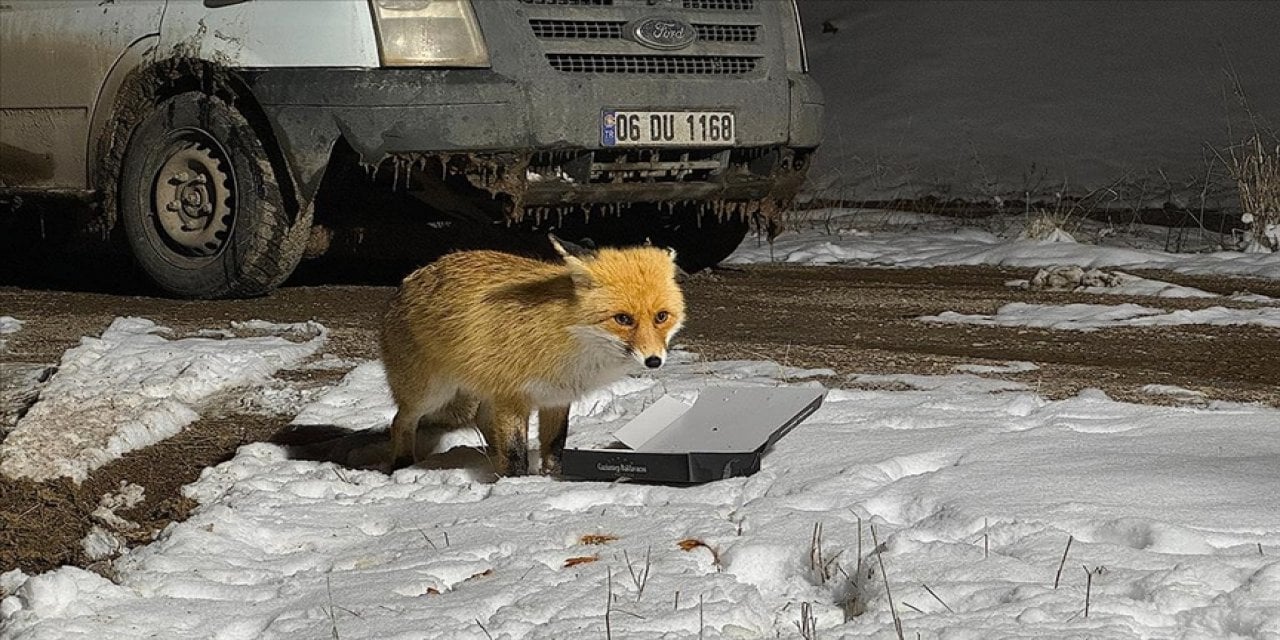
(193, 195)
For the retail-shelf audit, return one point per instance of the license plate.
(668, 128)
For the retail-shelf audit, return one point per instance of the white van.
(203, 128)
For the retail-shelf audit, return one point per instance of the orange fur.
(490, 337)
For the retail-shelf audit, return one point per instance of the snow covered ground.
(8, 325)
(1091, 317)
(998, 513)
(904, 239)
(132, 387)
(974, 487)
(869, 237)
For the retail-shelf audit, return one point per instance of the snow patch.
(1092, 317)
(101, 543)
(1172, 390)
(129, 495)
(360, 401)
(1077, 279)
(106, 538)
(133, 387)
(897, 239)
(8, 325)
(1007, 367)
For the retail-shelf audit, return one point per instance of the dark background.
(979, 100)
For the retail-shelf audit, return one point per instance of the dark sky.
(965, 97)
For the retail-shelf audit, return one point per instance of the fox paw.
(389, 466)
(550, 468)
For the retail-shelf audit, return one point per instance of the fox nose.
(653, 362)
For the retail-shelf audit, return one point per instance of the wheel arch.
(141, 87)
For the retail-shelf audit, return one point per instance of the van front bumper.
(539, 144)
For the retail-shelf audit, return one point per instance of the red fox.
(492, 337)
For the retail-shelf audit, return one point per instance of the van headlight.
(797, 52)
(429, 33)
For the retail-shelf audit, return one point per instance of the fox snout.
(650, 358)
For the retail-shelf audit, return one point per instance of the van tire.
(700, 240)
(201, 203)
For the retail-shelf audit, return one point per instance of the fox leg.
(553, 427)
(404, 434)
(404, 427)
(457, 412)
(505, 425)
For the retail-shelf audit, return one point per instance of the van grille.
(699, 5)
(652, 64)
(727, 32)
(572, 3)
(720, 5)
(576, 29)
(600, 30)
(594, 36)
(614, 166)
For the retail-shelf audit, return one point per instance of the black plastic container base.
(736, 426)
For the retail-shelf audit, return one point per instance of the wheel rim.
(193, 195)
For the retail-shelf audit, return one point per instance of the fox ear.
(570, 252)
(557, 245)
(648, 242)
(583, 249)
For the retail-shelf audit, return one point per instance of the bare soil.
(850, 320)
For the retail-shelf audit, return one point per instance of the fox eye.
(624, 319)
(662, 317)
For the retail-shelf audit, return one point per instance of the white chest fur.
(599, 359)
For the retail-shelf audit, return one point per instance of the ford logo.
(664, 33)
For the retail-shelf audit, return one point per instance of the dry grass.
(640, 578)
(938, 598)
(1088, 586)
(1255, 166)
(897, 621)
(823, 568)
(808, 623)
(1058, 576)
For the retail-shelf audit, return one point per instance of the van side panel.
(138, 55)
(54, 57)
(272, 33)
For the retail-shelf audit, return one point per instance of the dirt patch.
(851, 320)
(42, 524)
(863, 321)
